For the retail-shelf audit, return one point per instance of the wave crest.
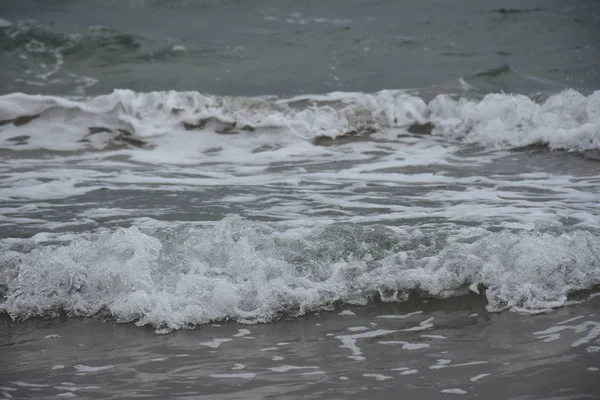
(568, 120)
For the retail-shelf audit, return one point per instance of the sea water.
(327, 200)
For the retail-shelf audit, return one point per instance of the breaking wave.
(568, 120)
(255, 272)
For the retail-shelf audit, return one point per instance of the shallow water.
(319, 200)
(432, 349)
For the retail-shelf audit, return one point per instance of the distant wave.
(568, 120)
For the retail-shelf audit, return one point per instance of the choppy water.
(180, 164)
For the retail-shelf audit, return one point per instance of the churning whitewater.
(255, 272)
(568, 120)
(343, 198)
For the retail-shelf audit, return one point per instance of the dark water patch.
(128, 138)
(348, 137)
(19, 121)
(493, 72)
(421, 129)
(98, 129)
(219, 126)
(592, 155)
(460, 54)
(512, 11)
(19, 140)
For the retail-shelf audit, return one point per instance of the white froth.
(243, 375)
(53, 336)
(287, 368)
(181, 115)
(182, 126)
(215, 343)
(423, 325)
(242, 333)
(349, 341)
(454, 391)
(478, 377)
(356, 329)
(409, 372)
(29, 385)
(313, 373)
(568, 120)
(400, 316)
(468, 364)
(378, 377)
(252, 272)
(87, 368)
(590, 329)
(406, 345)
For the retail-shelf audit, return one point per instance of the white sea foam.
(591, 329)
(87, 368)
(253, 272)
(53, 336)
(409, 372)
(378, 377)
(349, 341)
(185, 124)
(400, 316)
(243, 375)
(356, 329)
(568, 120)
(478, 377)
(454, 391)
(287, 368)
(215, 343)
(406, 345)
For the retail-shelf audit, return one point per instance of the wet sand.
(427, 349)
